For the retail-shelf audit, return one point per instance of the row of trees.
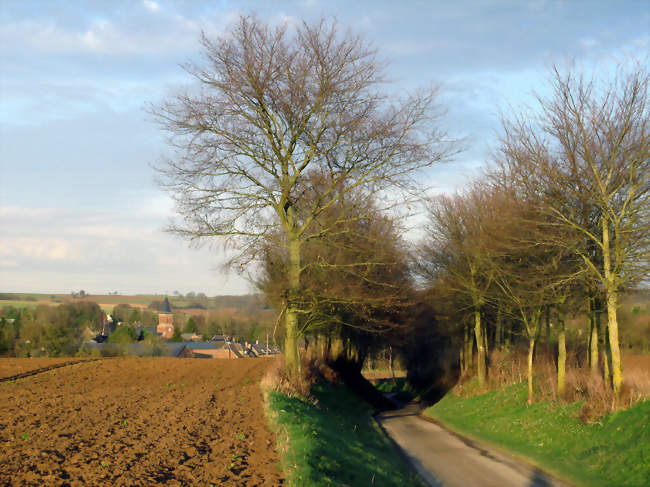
(562, 220)
(288, 150)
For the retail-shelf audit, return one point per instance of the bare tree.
(589, 150)
(273, 107)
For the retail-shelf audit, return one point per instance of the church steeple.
(166, 320)
(166, 306)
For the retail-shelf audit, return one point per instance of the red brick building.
(166, 320)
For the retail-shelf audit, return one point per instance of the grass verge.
(613, 451)
(333, 440)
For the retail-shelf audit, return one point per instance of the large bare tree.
(272, 107)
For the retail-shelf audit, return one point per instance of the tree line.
(49, 331)
(291, 152)
(560, 225)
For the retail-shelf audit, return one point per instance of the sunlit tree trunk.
(485, 341)
(292, 357)
(593, 345)
(612, 322)
(561, 357)
(533, 330)
(480, 347)
(531, 349)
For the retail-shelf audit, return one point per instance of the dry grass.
(279, 379)
(507, 368)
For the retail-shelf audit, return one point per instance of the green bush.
(123, 334)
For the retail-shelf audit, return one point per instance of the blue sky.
(79, 208)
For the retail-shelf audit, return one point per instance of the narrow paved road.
(443, 458)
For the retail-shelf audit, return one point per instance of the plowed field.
(138, 421)
(13, 366)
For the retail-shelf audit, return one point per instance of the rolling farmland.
(132, 421)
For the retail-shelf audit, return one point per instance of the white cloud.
(37, 249)
(588, 43)
(57, 249)
(162, 36)
(151, 6)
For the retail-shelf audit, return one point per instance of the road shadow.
(539, 479)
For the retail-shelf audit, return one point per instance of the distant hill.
(249, 302)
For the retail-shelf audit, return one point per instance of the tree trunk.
(612, 322)
(561, 357)
(486, 349)
(531, 349)
(614, 348)
(499, 333)
(607, 376)
(593, 346)
(461, 357)
(480, 347)
(470, 348)
(291, 356)
(461, 353)
(547, 329)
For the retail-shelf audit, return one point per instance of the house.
(106, 349)
(165, 320)
(191, 349)
(223, 350)
(190, 337)
(186, 349)
(237, 349)
(261, 350)
(106, 324)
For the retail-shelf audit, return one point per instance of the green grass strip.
(613, 451)
(335, 441)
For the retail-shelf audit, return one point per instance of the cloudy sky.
(79, 208)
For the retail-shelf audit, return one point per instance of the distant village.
(190, 346)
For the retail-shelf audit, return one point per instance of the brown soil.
(14, 366)
(138, 421)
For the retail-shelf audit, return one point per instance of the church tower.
(166, 320)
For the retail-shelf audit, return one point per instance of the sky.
(79, 205)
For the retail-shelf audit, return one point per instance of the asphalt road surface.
(446, 459)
